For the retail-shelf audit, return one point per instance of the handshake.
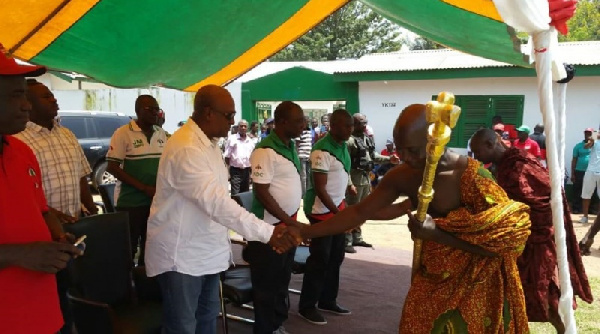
(286, 236)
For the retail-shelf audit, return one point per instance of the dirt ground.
(395, 234)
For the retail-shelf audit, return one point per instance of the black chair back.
(103, 273)
(244, 199)
(107, 192)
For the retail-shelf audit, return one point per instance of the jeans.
(270, 273)
(138, 224)
(240, 179)
(322, 274)
(190, 303)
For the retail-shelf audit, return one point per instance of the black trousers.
(270, 273)
(138, 224)
(322, 274)
(63, 283)
(577, 186)
(240, 179)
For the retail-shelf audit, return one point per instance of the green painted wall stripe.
(297, 84)
(488, 72)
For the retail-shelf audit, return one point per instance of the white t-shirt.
(337, 178)
(269, 167)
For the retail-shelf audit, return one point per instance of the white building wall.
(382, 101)
(324, 105)
(77, 95)
(235, 89)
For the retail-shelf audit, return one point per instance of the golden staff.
(443, 114)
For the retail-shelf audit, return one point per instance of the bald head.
(341, 125)
(410, 135)
(486, 146)
(284, 110)
(484, 135)
(411, 127)
(208, 96)
(214, 111)
(339, 115)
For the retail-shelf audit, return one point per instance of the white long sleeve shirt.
(192, 210)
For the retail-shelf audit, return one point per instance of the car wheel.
(101, 176)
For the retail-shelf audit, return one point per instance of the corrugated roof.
(270, 67)
(576, 53)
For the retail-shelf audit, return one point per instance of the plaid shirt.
(62, 163)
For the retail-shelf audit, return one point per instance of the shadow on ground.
(374, 283)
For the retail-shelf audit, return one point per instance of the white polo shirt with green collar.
(138, 156)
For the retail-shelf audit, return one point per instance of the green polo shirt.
(138, 155)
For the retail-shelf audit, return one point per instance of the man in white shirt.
(237, 155)
(277, 193)
(188, 242)
(591, 179)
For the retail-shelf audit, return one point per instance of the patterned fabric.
(304, 144)
(525, 180)
(460, 292)
(62, 162)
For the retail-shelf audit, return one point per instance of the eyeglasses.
(229, 116)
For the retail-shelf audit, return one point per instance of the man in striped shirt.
(304, 146)
(135, 149)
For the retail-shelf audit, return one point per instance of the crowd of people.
(489, 258)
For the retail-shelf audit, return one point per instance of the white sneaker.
(583, 220)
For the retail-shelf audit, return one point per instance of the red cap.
(499, 127)
(588, 130)
(9, 66)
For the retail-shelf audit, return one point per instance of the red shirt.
(387, 153)
(530, 146)
(28, 299)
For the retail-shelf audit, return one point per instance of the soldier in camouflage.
(363, 157)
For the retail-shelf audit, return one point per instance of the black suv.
(94, 129)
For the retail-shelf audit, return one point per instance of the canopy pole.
(542, 44)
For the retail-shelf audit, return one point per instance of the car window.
(106, 126)
(77, 125)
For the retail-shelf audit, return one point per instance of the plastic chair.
(102, 293)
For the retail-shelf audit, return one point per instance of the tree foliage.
(422, 43)
(585, 24)
(351, 32)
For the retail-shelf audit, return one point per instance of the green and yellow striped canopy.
(185, 44)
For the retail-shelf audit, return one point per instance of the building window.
(478, 110)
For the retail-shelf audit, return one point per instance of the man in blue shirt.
(579, 164)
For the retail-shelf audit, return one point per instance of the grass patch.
(587, 315)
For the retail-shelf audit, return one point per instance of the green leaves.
(585, 24)
(351, 32)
